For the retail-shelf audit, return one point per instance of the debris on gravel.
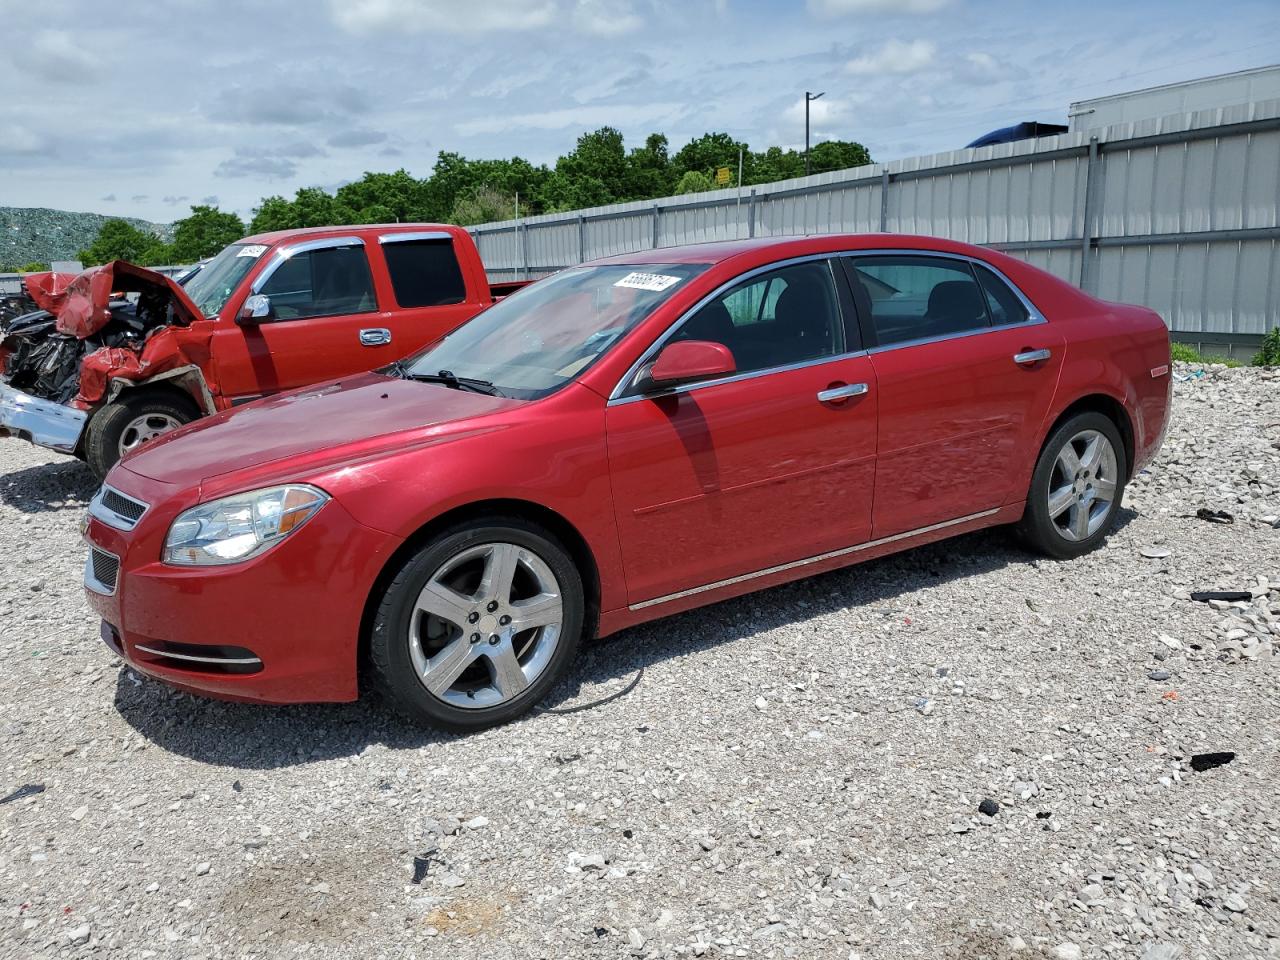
(699, 816)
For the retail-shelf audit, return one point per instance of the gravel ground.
(792, 774)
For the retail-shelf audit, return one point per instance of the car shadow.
(48, 487)
(257, 737)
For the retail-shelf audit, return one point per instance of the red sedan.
(618, 442)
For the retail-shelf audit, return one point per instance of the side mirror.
(255, 309)
(688, 360)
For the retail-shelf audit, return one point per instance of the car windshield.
(541, 337)
(217, 280)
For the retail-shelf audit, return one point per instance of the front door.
(773, 464)
(966, 372)
(325, 323)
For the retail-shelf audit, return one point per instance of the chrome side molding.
(794, 564)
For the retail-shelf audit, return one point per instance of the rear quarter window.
(1002, 303)
(424, 273)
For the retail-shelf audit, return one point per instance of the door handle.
(1028, 357)
(375, 336)
(842, 393)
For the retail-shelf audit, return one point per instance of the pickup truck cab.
(99, 377)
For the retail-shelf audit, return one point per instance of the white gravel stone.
(1106, 841)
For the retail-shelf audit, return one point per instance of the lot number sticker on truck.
(252, 250)
(647, 281)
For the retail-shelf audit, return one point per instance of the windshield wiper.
(449, 379)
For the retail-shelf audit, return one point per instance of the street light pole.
(808, 99)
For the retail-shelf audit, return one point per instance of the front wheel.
(131, 421)
(1076, 487)
(478, 626)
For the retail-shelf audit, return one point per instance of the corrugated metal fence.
(1179, 214)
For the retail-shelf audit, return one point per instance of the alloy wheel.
(1082, 486)
(144, 429)
(485, 625)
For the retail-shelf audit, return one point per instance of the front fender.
(553, 456)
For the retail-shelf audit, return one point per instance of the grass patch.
(1188, 354)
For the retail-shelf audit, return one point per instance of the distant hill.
(40, 235)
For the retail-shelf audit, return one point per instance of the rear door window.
(918, 297)
(424, 272)
(322, 283)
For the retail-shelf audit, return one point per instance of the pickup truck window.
(214, 283)
(321, 283)
(425, 272)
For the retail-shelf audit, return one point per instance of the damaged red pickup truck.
(118, 355)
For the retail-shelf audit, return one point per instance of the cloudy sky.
(141, 109)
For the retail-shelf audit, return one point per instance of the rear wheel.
(130, 422)
(478, 626)
(1076, 487)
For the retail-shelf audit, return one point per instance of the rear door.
(773, 464)
(326, 322)
(425, 290)
(966, 369)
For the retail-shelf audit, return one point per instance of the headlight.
(239, 527)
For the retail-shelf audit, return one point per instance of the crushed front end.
(67, 336)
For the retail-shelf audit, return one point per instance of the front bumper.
(283, 627)
(43, 422)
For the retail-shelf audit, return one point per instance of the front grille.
(127, 507)
(104, 568)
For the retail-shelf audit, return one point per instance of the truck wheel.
(131, 421)
(478, 625)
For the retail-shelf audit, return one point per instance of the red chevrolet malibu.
(618, 442)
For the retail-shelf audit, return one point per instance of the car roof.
(781, 247)
(275, 236)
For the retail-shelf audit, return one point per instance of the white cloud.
(830, 9)
(577, 118)
(895, 56)
(57, 56)
(18, 139)
(446, 16)
(606, 18)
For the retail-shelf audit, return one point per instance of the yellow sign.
(723, 175)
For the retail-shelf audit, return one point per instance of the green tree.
(594, 173)
(483, 205)
(118, 240)
(315, 208)
(708, 153)
(599, 170)
(204, 233)
(775, 164)
(694, 181)
(649, 172)
(383, 198)
(273, 213)
(1269, 355)
(836, 155)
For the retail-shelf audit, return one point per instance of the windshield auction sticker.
(647, 281)
(252, 250)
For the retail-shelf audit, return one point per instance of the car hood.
(345, 419)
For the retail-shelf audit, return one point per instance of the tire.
(445, 646)
(131, 421)
(1079, 484)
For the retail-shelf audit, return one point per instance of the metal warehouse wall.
(1178, 213)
